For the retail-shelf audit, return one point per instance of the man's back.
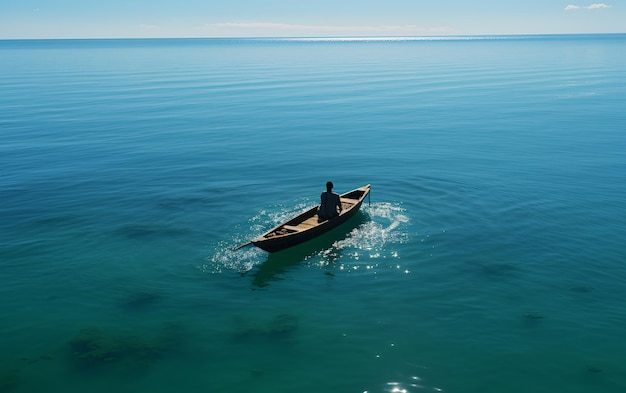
(329, 203)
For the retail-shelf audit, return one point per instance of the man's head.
(329, 186)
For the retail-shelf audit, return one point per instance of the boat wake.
(387, 226)
(226, 258)
(374, 239)
(383, 226)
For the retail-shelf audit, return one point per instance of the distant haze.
(322, 18)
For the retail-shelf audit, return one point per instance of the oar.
(242, 246)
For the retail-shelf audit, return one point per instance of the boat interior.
(310, 219)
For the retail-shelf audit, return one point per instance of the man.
(330, 204)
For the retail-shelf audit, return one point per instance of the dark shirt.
(329, 205)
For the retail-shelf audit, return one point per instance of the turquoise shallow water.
(490, 258)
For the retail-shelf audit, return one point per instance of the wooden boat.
(306, 226)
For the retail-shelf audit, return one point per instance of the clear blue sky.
(295, 18)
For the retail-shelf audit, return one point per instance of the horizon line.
(441, 37)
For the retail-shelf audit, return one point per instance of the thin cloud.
(598, 6)
(595, 6)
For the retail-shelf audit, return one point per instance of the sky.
(21, 19)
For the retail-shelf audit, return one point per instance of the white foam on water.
(387, 226)
(226, 258)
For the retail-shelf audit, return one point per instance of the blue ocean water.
(490, 257)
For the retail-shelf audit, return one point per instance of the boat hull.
(289, 234)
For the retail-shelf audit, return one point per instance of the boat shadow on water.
(280, 262)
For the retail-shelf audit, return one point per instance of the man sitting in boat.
(331, 204)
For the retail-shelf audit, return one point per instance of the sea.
(489, 257)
